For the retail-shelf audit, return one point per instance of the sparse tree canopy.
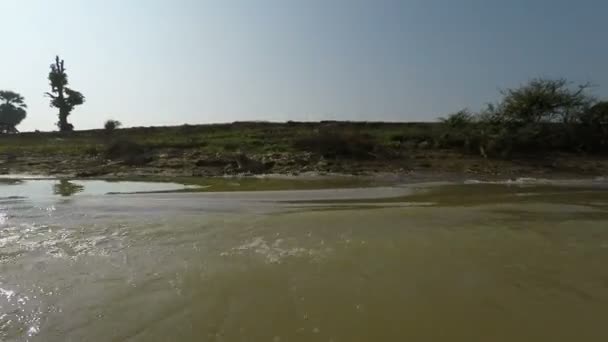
(544, 100)
(459, 119)
(63, 97)
(12, 111)
(541, 115)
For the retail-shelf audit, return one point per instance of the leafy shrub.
(542, 115)
(544, 100)
(460, 130)
(111, 125)
(460, 119)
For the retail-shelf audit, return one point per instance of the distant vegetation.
(541, 116)
(12, 111)
(63, 97)
(111, 125)
(331, 139)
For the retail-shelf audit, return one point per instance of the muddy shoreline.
(179, 165)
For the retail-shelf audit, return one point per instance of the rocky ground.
(192, 163)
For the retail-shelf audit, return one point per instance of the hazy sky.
(158, 62)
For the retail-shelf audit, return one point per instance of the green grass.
(249, 137)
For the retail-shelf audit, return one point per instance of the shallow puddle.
(36, 188)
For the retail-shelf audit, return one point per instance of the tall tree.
(12, 111)
(62, 97)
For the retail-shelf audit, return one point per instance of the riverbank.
(377, 150)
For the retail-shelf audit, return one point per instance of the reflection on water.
(66, 188)
(526, 264)
(38, 188)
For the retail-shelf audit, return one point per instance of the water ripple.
(272, 252)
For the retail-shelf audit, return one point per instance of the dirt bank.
(180, 163)
(352, 148)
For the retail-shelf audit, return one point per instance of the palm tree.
(12, 98)
(12, 111)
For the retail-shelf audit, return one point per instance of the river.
(510, 261)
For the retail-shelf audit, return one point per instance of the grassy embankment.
(248, 137)
(189, 152)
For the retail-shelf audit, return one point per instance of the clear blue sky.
(158, 62)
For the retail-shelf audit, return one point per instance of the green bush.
(461, 119)
(540, 116)
(460, 128)
(111, 125)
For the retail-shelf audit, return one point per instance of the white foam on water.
(60, 242)
(273, 252)
(542, 181)
(517, 181)
(18, 315)
(7, 293)
(26, 176)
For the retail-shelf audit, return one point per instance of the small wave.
(541, 181)
(12, 200)
(58, 242)
(272, 252)
(517, 181)
(24, 176)
(19, 316)
(527, 194)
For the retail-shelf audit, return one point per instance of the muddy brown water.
(464, 262)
